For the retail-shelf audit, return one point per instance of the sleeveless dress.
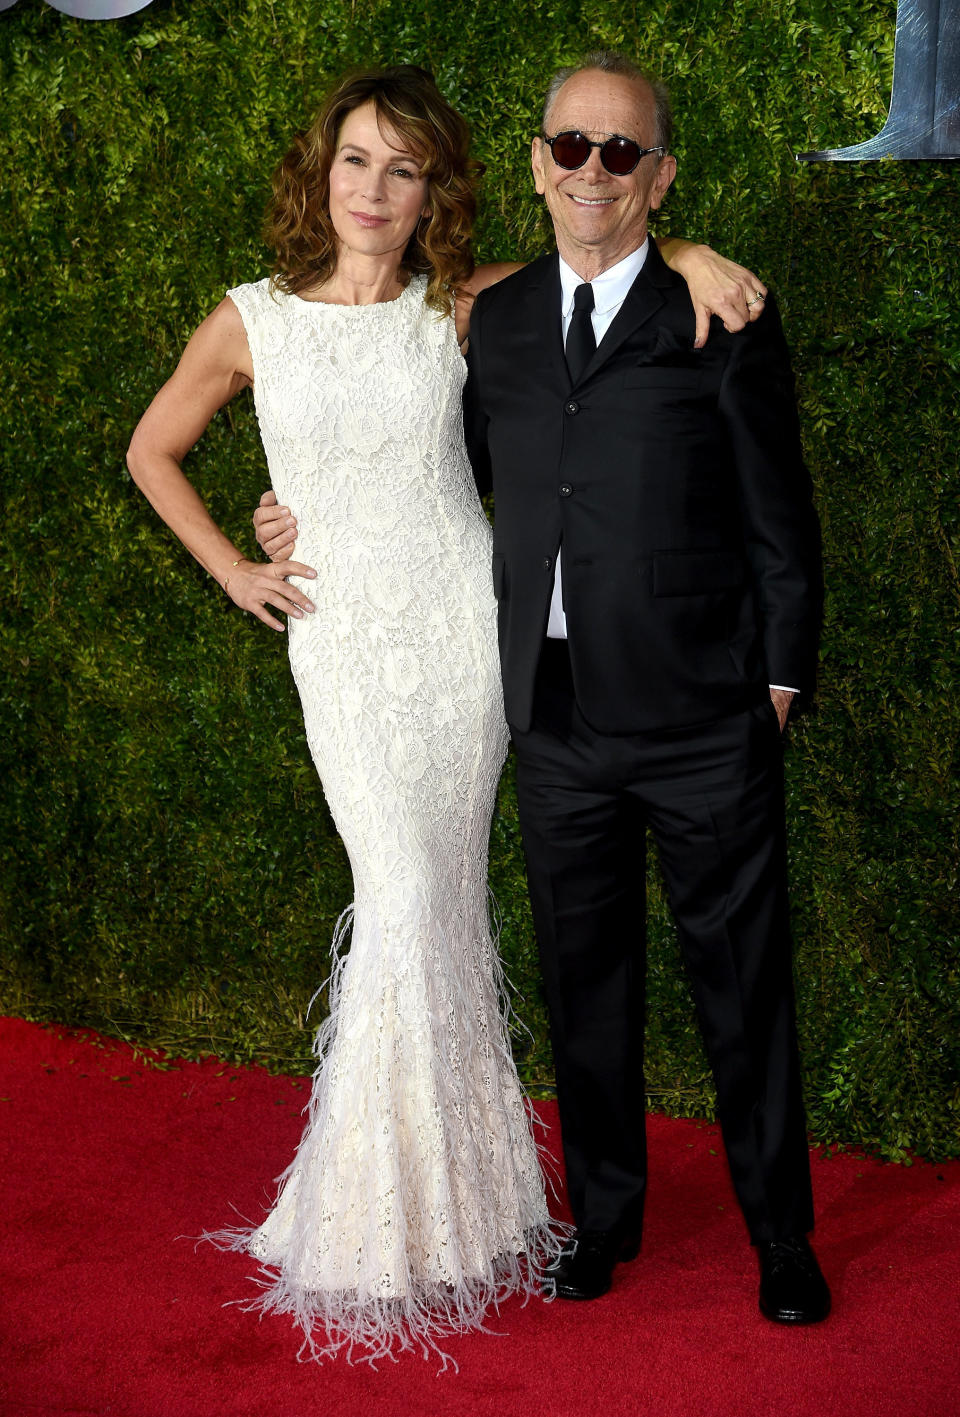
(415, 1199)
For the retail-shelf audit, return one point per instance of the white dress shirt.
(609, 292)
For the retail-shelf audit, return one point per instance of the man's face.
(600, 218)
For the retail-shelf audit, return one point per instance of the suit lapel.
(644, 298)
(543, 312)
(544, 315)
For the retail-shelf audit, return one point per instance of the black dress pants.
(712, 796)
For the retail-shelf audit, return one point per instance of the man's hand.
(717, 286)
(276, 529)
(781, 700)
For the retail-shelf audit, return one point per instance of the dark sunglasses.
(618, 155)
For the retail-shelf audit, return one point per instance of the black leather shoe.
(585, 1268)
(792, 1287)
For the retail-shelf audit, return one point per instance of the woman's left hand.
(255, 585)
(717, 287)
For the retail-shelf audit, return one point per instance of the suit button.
(565, 489)
(571, 407)
(547, 563)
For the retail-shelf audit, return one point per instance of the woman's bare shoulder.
(225, 320)
(490, 274)
(219, 345)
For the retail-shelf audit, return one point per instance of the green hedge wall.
(170, 872)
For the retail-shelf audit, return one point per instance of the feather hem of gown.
(415, 1203)
(371, 1330)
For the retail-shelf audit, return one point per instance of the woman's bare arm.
(215, 366)
(717, 286)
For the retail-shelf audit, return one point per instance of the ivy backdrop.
(170, 872)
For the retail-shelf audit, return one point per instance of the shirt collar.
(610, 288)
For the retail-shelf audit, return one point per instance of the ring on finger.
(756, 299)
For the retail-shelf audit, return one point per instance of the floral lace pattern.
(415, 1199)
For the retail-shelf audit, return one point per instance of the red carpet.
(105, 1162)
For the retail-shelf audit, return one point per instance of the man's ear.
(536, 163)
(666, 172)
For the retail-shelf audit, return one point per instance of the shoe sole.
(793, 1316)
(578, 1295)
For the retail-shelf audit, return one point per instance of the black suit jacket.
(674, 480)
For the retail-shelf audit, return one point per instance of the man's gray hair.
(608, 61)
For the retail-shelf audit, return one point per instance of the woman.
(415, 1199)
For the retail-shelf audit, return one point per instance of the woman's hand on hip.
(255, 585)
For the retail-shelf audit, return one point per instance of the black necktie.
(581, 345)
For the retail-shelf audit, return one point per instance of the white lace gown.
(415, 1199)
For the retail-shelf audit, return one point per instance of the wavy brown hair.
(298, 224)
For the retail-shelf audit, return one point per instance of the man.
(656, 563)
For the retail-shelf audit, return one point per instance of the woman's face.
(377, 195)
